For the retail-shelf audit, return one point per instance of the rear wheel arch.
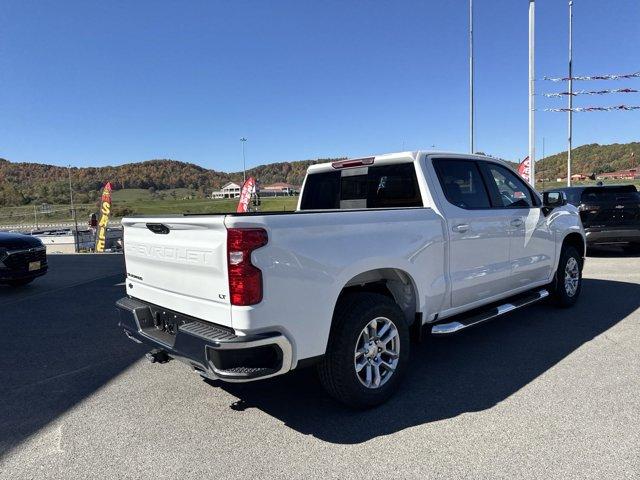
(394, 283)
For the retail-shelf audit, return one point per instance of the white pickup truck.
(380, 249)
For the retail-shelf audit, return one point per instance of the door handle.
(461, 228)
(516, 222)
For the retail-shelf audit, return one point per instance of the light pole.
(73, 210)
(244, 163)
(471, 102)
(532, 105)
(570, 112)
(542, 158)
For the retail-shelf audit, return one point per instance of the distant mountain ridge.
(26, 183)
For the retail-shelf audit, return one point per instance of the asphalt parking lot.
(541, 393)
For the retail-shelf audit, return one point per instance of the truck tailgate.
(179, 263)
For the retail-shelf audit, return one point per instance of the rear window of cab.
(384, 186)
(610, 194)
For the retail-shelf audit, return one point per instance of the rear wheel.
(568, 281)
(368, 351)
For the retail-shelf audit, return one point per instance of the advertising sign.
(248, 189)
(524, 169)
(105, 211)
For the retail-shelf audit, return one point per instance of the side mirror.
(554, 199)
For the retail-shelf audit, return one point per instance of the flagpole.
(570, 112)
(471, 81)
(532, 146)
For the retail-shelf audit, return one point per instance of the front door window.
(513, 191)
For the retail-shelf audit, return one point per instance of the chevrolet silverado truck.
(379, 250)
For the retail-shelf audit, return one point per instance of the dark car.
(610, 214)
(22, 258)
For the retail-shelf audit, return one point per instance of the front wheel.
(567, 284)
(368, 351)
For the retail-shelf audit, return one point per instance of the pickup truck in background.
(610, 214)
(379, 249)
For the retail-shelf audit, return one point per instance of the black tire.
(632, 248)
(20, 283)
(562, 294)
(337, 370)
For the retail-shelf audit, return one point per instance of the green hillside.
(138, 202)
(588, 159)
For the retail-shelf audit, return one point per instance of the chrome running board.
(464, 322)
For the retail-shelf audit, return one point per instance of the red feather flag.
(524, 169)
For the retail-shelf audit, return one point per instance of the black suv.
(22, 258)
(610, 214)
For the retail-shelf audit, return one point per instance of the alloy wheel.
(377, 352)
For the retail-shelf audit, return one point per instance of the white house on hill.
(230, 190)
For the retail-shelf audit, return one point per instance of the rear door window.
(462, 183)
(385, 186)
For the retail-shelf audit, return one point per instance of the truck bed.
(310, 256)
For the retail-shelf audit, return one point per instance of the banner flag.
(105, 211)
(524, 169)
(594, 77)
(248, 189)
(590, 92)
(594, 109)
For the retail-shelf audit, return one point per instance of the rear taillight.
(245, 279)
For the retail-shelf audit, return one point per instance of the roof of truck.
(399, 157)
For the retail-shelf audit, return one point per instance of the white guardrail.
(28, 227)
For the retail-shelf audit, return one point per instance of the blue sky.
(98, 83)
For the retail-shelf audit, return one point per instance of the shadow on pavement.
(59, 343)
(469, 372)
